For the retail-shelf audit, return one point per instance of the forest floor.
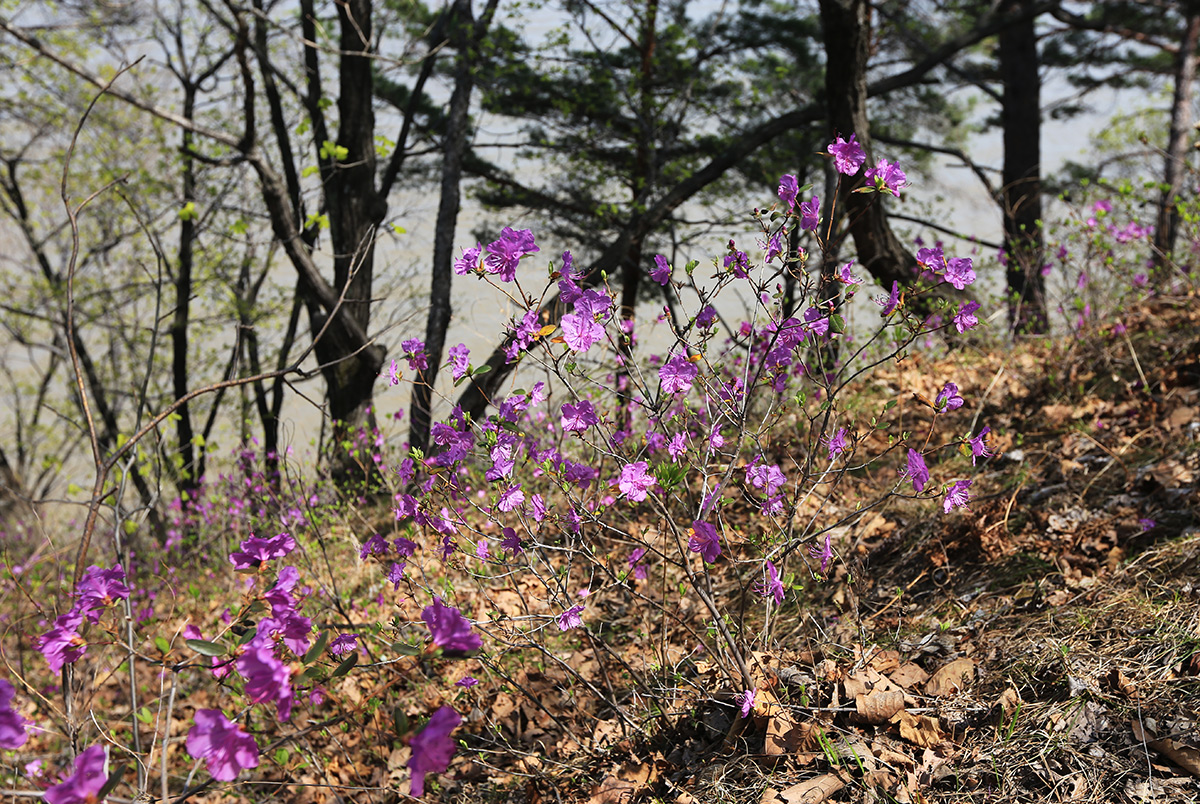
(1042, 646)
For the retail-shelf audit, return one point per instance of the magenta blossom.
(888, 177)
(948, 398)
(432, 748)
(511, 498)
(747, 699)
(570, 618)
(225, 748)
(890, 304)
(581, 332)
(459, 360)
(705, 541)
(449, 630)
(256, 552)
(267, 678)
(846, 277)
(810, 214)
(661, 272)
(771, 585)
(344, 644)
(12, 725)
(466, 682)
(957, 496)
(414, 353)
(917, 471)
(635, 481)
(677, 374)
(579, 417)
(506, 251)
(789, 188)
(979, 447)
(62, 644)
(836, 444)
(959, 272)
(965, 318)
(469, 261)
(83, 786)
(101, 588)
(824, 553)
(848, 155)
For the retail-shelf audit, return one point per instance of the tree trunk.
(355, 210)
(189, 473)
(464, 35)
(1021, 197)
(1175, 163)
(847, 29)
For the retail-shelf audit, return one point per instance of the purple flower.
(460, 360)
(948, 398)
(845, 277)
(505, 252)
(848, 155)
(706, 317)
(570, 618)
(836, 444)
(661, 272)
(890, 304)
(747, 699)
(676, 375)
(469, 261)
(979, 448)
(705, 541)
(375, 545)
(343, 644)
(635, 481)
(81, 787)
(789, 188)
(578, 417)
(256, 552)
(959, 272)
(773, 246)
(580, 332)
(466, 682)
(1146, 524)
(814, 322)
(771, 584)
(965, 318)
(414, 353)
(394, 374)
(917, 471)
(511, 541)
(267, 678)
(887, 176)
(12, 725)
(738, 262)
(62, 644)
(432, 748)
(932, 259)
(225, 748)
(677, 445)
(957, 496)
(101, 588)
(539, 507)
(639, 570)
(810, 214)
(824, 553)
(449, 630)
(511, 498)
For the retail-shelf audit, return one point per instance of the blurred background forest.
(221, 218)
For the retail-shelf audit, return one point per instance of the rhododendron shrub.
(717, 454)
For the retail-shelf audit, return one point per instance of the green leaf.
(188, 213)
(311, 170)
(162, 644)
(331, 150)
(403, 649)
(400, 720)
(346, 666)
(144, 715)
(481, 370)
(205, 648)
(317, 649)
(282, 756)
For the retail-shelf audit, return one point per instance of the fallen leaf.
(908, 675)
(1182, 754)
(920, 730)
(1009, 702)
(812, 791)
(878, 706)
(951, 678)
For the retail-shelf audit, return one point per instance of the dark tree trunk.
(1021, 197)
(189, 475)
(1175, 163)
(464, 35)
(847, 28)
(355, 210)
